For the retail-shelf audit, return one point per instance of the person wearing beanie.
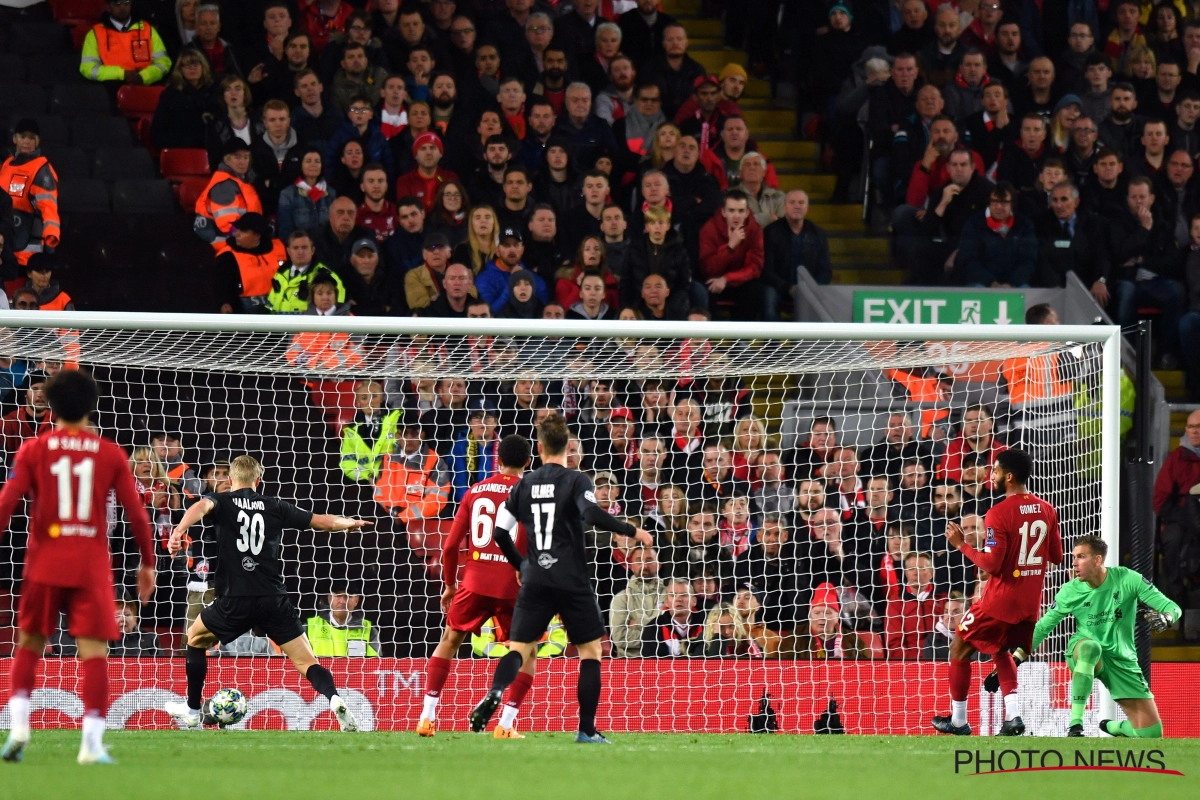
(51, 297)
(732, 80)
(424, 181)
(523, 302)
(32, 185)
(707, 109)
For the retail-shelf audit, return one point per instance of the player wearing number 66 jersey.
(249, 583)
(488, 589)
(1022, 543)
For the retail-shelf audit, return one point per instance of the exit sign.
(938, 307)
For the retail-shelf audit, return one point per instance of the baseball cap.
(621, 412)
(703, 79)
(235, 145)
(253, 222)
(40, 262)
(28, 125)
(366, 243)
(511, 233)
(435, 239)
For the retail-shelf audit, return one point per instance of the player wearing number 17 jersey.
(1022, 542)
(488, 589)
(68, 473)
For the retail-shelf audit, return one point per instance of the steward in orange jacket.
(229, 194)
(414, 482)
(246, 263)
(33, 186)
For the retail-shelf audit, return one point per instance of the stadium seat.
(178, 163)
(189, 191)
(138, 102)
(873, 641)
(22, 97)
(77, 9)
(54, 68)
(83, 196)
(143, 132)
(32, 38)
(116, 163)
(54, 129)
(141, 196)
(94, 130)
(12, 68)
(69, 163)
(75, 99)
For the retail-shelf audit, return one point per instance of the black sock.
(196, 663)
(321, 680)
(506, 671)
(589, 694)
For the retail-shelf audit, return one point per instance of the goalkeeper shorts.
(1122, 676)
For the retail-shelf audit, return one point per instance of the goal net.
(797, 480)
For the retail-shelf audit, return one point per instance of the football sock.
(508, 715)
(196, 665)
(93, 730)
(507, 671)
(1012, 708)
(518, 689)
(1006, 671)
(95, 687)
(322, 680)
(1125, 728)
(437, 670)
(589, 694)
(23, 676)
(1083, 678)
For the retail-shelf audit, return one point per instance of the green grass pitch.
(262, 765)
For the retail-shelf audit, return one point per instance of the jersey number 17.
(542, 530)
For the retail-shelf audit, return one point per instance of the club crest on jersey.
(249, 564)
(546, 561)
(990, 541)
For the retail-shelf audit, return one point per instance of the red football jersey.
(67, 476)
(1022, 541)
(487, 571)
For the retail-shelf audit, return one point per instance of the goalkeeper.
(1104, 601)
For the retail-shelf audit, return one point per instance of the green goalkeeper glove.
(992, 682)
(1159, 620)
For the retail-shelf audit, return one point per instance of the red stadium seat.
(873, 641)
(141, 131)
(138, 102)
(77, 9)
(178, 163)
(189, 191)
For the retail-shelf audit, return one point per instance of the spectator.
(937, 641)
(342, 628)
(229, 195)
(373, 291)
(679, 630)
(911, 615)
(790, 243)
(823, 637)
(393, 117)
(1183, 135)
(1096, 97)
(987, 131)
(1069, 240)
(1037, 95)
(811, 456)
(277, 59)
(964, 195)
(424, 181)
(1126, 35)
(220, 53)
(976, 437)
(487, 183)
(940, 58)
(30, 420)
(899, 445)
(614, 97)
(1154, 149)
(305, 204)
(770, 571)
(1106, 190)
(321, 19)
(474, 454)
(585, 218)
(291, 288)
(998, 248)
(1189, 323)
(659, 251)
(766, 203)
(726, 634)
(731, 256)
(915, 29)
(1173, 489)
(590, 259)
(315, 123)
(132, 642)
(890, 105)
(1021, 165)
(376, 211)
(245, 265)
(358, 32)
(1006, 64)
(370, 436)
(637, 133)
(233, 120)
(978, 493)
(483, 233)
(1146, 264)
(325, 291)
(586, 136)
(1082, 151)
(642, 31)
(517, 209)
(414, 482)
(1074, 60)
(964, 94)
(639, 603)
(492, 282)
(673, 69)
(596, 67)
(122, 49)
(50, 296)
(449, 215)
(179, 118)
(1122, 127)
(275, 155)
(32, 186)
(981, 33)
(360, 127)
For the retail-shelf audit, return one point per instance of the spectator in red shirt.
(1179, 474)
(376, 211)
(709, 108)
(912, 613)
(322, 18)
(424, 181)
(976, 437)
(731, 256)
(30, 420)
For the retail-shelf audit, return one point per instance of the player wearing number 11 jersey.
(488, 589)
(1022, 542)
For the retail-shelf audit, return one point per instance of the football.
(228, 706)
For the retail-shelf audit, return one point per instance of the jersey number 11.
(84, 470)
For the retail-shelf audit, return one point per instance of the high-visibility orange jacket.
(107, 53)
(256, 270)
(324, 352)
(33, 186)
(413, 487)
(1035, 380)
(221, 204)
(924, 390)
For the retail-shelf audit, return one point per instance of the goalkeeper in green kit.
(1104, 601)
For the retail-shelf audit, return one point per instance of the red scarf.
(1001, 228)
(735, 538)
(667, 205)
(314, 193)
(517, 121)
(959, 80)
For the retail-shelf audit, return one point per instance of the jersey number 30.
(1035, 532)
(252, 534)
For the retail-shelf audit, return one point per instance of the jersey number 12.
(1035, 531)
(542, 530)
(84, 470)
(252, 534)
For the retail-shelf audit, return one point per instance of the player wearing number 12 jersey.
(68, 473)
(250, 590)
(1022, 542)
(488, 589)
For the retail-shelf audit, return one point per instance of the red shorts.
(990, 635)
(90, 611)
(468, 611)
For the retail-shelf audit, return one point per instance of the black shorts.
(230, 617)
(537, 605)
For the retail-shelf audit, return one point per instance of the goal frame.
(1109, 336)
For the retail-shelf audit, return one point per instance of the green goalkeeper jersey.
(1106, 614)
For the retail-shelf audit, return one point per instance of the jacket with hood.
(738, 266)
(517, 309)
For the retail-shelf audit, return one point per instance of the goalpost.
(708, 418)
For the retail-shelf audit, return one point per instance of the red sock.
(95, 686)
(24, 671)
(960, 679)
(1006, 671)
(436, 673)
(518, 689)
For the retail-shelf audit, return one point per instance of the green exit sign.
(939, 307)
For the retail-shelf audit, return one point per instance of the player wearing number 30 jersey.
(488, 589)
(1022, 543)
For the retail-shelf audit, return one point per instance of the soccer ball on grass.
(227, 707)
